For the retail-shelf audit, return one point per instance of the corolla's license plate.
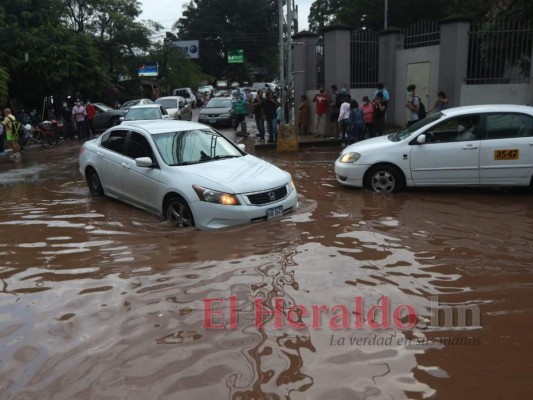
(513, 154)
(212, 121)
(274, 212)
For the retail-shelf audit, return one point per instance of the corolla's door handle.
(470, 147)
(125, 165)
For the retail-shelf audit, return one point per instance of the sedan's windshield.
(396, 137)
(195, 146)
(219, 103)
(168, 103)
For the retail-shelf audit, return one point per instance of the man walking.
(79, 113)
(321, 101)
(257, 109)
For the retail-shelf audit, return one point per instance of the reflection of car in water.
(187, 172)
(463, 146)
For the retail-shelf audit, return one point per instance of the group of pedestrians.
(266, 109)
(348, 120)
(82, 115)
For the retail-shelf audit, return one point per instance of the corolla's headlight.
(224, 115)
(214, 196)
(350, 157)
(292, 186)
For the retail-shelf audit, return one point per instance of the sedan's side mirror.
(144, 162)
(121, 119)
(182, 104)
(421, 139)
(242, 146)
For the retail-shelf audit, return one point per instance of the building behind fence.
(471, 63)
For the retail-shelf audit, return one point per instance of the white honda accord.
(187, 172)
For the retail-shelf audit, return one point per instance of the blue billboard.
(147, 69)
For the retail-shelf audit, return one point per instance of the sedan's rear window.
(168, 103)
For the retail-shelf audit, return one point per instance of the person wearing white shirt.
(344, 116)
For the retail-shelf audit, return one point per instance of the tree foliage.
(401, 13)
(224, 25)
(83, 48)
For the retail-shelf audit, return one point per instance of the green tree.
(223, 25)
(401, 13)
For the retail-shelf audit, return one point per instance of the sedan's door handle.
(125, 165)
(470, 148)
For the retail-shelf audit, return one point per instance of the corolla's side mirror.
(144, 162)
(421, 139)
(121, 119)
(241, 146)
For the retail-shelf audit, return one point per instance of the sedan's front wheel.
(384, 179)
(178, 213)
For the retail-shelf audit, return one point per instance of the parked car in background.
(187, 94)
(146, 112)
(264, 86)
(218, 111)
(176, 107)
(135, 102)
(488, 145)
(106, 116)
(186, 172)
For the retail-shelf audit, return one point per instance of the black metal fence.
(364, 58)
(421, 34)
(500, 52)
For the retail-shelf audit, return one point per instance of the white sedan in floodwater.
(465, 146)
(187, 172)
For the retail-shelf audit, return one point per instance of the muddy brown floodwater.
(100, 300)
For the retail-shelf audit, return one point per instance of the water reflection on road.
(100, 300)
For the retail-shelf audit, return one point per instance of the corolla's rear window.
(194, 146)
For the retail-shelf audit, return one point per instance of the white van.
(187, 94)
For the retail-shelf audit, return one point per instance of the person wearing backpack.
(12, 126)
(417, 110)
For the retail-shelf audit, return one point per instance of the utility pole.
(386, 16)
(281, 52)
(290, 117)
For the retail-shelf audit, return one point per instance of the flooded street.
(101, 300)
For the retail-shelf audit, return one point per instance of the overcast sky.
(166, 12)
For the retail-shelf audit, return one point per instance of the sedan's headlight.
(214, 196)
(225, 115)
(350, 157)
(292, 186)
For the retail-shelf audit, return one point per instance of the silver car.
(176, 107)
(219, 111)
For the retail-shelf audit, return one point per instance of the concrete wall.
(397, 114)
(518, 93)
(447, 70)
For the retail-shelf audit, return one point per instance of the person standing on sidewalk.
(91, 112)
(257, 109)
(380, 107)
(343, 121)
(240, 111)
(412, 104)
(271, 105)
(368, 115)
(11, 137)
(321, 100)
(79, 113)
(303, 116)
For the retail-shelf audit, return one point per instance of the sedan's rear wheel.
(384, 179)
(178, 213)
(94, 183)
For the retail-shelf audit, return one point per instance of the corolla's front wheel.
(384, 179)
(178, 213)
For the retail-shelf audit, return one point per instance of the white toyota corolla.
(187, 172)
(469, 146)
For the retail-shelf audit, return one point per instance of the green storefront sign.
(235, 56)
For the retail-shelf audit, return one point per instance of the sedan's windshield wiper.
(225, 156)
